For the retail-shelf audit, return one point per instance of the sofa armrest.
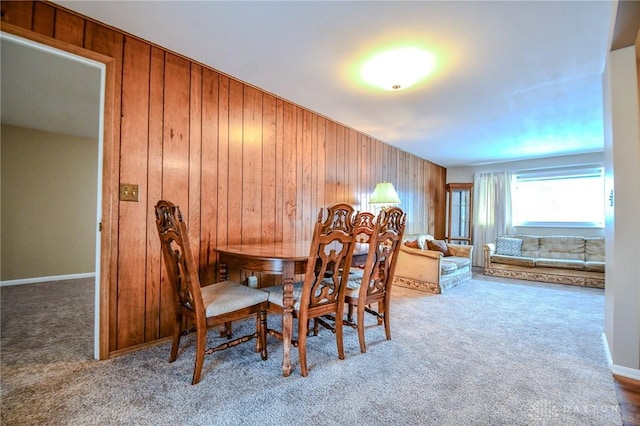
(420, 265)
(489, 249)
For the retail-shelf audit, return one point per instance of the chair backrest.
(384, 245)
(364, 223)
(178, 257)
(331, 250)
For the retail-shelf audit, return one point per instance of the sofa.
(431, 269)
(555, 259)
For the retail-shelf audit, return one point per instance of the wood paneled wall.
(242, 164)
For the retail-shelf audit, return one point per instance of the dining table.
(284, 258)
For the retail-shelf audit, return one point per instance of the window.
(569, 197)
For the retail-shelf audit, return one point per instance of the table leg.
(287, 324)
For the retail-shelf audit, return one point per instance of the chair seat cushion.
(276, 293)
(447, 267)
(228, 296)
(459, 261)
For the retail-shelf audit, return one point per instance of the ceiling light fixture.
(398, 68)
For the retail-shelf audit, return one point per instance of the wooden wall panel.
(156, 300)
(133, 218)
(251, 166)
(209, 211)
(242, 164)
(224, 185)
(305, 181)
(43, 19)
(290, 172)
(269, 205)
(195, 156)
(18, 13)
(69, 28)
(234, 196)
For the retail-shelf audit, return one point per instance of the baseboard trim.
(45, 279)
(619, 370)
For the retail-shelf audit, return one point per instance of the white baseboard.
(619, 370)
(45, 279)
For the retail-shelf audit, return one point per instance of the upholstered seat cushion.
(447, 267)
(594, 266)
(228, 296)
(513, 260)
(457, 260)
(560, 263)
(276, 293)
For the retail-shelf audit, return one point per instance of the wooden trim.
(106, 250)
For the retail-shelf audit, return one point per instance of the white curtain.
(492, 207)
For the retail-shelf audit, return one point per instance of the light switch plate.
(129, 192)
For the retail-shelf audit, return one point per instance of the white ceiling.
(48, 90)
(515, 80)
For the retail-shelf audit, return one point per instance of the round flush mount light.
(398, 68)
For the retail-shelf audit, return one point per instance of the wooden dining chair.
(331, 250)
(209, 306)
(375, 285)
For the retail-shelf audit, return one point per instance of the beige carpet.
(488, 352)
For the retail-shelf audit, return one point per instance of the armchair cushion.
(439, 245)
(412, 244)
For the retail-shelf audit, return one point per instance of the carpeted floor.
(488, 352)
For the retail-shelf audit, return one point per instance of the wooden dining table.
(287, 259)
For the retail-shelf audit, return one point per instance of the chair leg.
(363, 347)
(177, 333)
(303, 329)
(350, 313)
(339, 330)
(201, 343)
(381, 309)
(229, 329)
(387, 326)
(259, 332)
(262, 337)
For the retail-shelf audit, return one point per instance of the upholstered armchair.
(429, 270)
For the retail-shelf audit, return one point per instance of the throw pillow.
(509, 246)
(412, 244)
(438, 245)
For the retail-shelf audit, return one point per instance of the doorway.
(54, 92)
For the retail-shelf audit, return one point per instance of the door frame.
(107, 173)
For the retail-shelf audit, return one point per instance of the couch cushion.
(594, 266)
(438, 245)
(509, 246)
(459, 261)
(447, 267)
(561, 247)
(560, 263)
(594, 249)
(513, 260)
(412, 244)
(530, 245)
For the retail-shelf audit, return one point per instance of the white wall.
(622, 159)
(465, 174)
(49, 184)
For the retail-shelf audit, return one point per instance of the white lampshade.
(384, 195)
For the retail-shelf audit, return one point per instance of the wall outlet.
(129, 192)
